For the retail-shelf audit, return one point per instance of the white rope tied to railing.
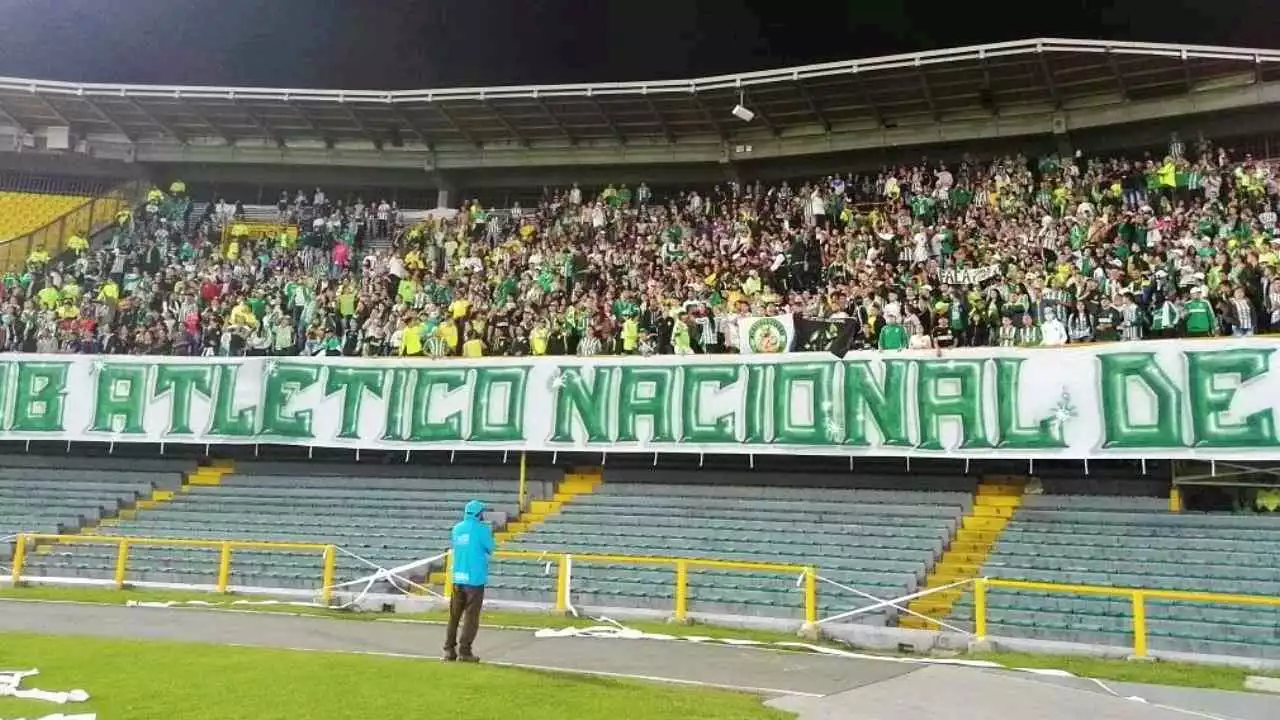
(5, 569)
(394, 576)
(898, 603)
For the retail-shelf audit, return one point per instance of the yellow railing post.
(810, 596)
(523, 478)
(980, 608)
(122, 563)
(682, 590)
(19, 558)
(562, 585)
(1139, 624)
(326, 576)
(224, 568)
(447, 589)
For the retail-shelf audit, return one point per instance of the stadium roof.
(999, 82)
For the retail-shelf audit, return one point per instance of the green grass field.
(161, 681)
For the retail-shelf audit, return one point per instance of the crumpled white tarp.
(11, 686)
(60, 716)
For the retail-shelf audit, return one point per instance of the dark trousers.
(464, 608)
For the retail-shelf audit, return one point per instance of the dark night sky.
(397, 44)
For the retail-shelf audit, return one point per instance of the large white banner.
(1165, 399)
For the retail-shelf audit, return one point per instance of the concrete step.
(952, 557)
(1009, 501)
(542, 507)
(991, 525)
(970, 546)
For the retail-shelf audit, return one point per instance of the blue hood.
(473, 509)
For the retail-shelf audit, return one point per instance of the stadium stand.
(1012, 250)
(877, 540)
(1008, 251)
(1135, 542)
(20, 212)
(63, 495)
(387, 518)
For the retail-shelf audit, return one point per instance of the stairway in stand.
(994, 503)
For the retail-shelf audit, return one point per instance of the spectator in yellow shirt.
(448, 331)
(473, 347)
(459, 308)
(242, 314)
(77, 244)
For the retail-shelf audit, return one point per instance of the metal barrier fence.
(56, 184)
(807, 575)
(1137, 596)
(86, 220)
(24, 542)
(679, 566)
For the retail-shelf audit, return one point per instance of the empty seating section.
(51, 497)
(386, 520)
(1135, 542)
(20, 212)
(878, 541)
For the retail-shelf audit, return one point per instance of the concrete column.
(447, 192)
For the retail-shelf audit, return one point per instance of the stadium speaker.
(742, 113)
(58, 138)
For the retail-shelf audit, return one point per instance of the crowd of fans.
(1008, 252)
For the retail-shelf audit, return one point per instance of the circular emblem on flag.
(767, 335)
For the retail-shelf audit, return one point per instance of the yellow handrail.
(225, 547)
(680, 565)
(1137, 596)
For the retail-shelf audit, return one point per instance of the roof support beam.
(866, 97)
(102, 113)
(413, 126)
(1119, 77)
(568, 136)
(706, 112)
(813, 105)
(608, 121)
(306, 119)
(217, 130)
(260, 124)
(54, 111)
(360, 124)
(662, 122)
(988, 96)
(151, 117)
(1049, 81)
(9, 118)
(457, 127)
(928, 94)
(520, 138)
(760, 113)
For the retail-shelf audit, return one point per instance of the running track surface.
(815, 686)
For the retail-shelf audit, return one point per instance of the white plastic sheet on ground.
(11, 686)
(60, 716)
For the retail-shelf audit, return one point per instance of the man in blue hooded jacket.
(472, 544)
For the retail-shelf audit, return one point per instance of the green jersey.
(922, 206)
(1199, 316)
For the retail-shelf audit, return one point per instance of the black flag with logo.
(831, 335)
